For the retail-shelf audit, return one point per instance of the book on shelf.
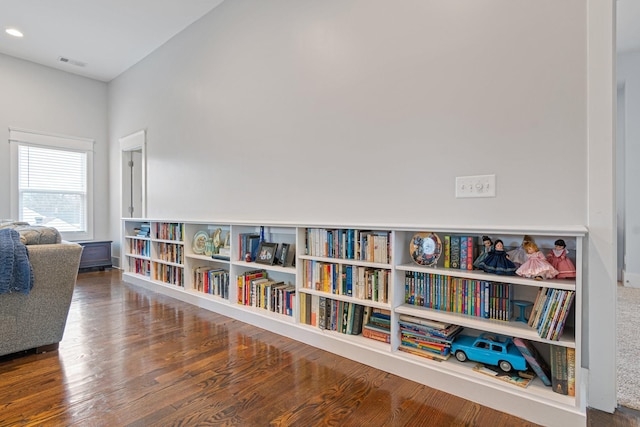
(447, 251)
(464, 252)
(455, 252)
(557, 332)
(377, 334)
(423, 353)
(358, 315)
(534, 360)
(559, 379)
(518, 378)
(470, 252)
(535, 310)
(322, 312)
(425, 322)
(571, 371)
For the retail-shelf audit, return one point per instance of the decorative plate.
(200, 242)
(425, 248)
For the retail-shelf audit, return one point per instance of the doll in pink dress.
(558, 258)
(536, 266)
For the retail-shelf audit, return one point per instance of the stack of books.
(377, 324)
(144, 230)
(427, 338)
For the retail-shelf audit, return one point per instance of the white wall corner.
(630, 280)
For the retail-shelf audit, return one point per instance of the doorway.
(133, 175)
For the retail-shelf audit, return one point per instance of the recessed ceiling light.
(13, 32)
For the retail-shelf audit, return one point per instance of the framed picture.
(266, 253)
(284, 254)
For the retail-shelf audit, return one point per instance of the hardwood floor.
(132, 357)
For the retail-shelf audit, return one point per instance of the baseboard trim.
(630, 280)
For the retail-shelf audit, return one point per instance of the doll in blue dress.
(497, 261)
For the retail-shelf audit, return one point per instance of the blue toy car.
(490, 349)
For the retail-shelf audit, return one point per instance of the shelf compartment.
(535, 390)
(510, 328)
(361, 283)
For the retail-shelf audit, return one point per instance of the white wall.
(358, 111)
(38, 98)
(314, 110)
(628, 72)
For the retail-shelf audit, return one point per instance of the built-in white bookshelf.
(278, 296)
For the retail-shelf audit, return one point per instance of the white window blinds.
(53, 183)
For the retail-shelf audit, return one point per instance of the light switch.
(476, 186)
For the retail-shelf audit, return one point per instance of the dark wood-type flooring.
(131, 357)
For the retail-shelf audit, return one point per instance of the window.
(52, 182)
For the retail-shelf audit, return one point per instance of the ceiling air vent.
(71, 61)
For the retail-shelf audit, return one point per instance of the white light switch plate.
(475, 186)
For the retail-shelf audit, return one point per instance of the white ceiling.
(109, 36)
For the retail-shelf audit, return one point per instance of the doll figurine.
(497, 261)
(536, 266)
(486, 248)
(518, 256)
(558, 258)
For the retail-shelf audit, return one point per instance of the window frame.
(21, 137)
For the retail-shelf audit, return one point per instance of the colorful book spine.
(559, 369)
(447, 251)
(571, 371)
(464, 252)
(455, 251)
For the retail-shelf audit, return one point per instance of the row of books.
(360, 282)
(427, 338)
(170, 252)
(169, 231)
(479, 298)
(377, 324)
(139, 247)
(329, 314)
(212, 281)
(140, 266)
(248, 244)
(550, 312)
(563, 370)
(459, 252)
(255, 289)
(170, 274)
(363, 245)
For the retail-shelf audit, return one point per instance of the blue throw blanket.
(16, 274)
